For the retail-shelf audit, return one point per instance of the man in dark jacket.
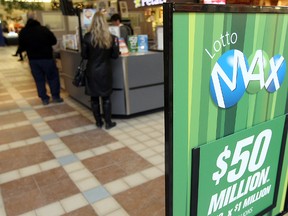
(37, 41)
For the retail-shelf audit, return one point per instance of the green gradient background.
(207, 187)
(196, 119)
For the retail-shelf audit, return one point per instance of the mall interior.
(53, 159)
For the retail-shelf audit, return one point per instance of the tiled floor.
(54, 161)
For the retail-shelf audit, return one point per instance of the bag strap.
(81, 62)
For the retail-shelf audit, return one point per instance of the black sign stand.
(168, 101)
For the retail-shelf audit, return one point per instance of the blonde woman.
(99, 46)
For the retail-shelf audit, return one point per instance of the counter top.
(127, 55)
(10, 35)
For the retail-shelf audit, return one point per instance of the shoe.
(45, 102)
(14, 55)
(99, 124)
(110, 125)
(57, 100)
(20, 59)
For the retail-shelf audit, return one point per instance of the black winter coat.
(37, 40)
(98, 68)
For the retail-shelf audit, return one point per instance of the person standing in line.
(98, 47)
(37, 41)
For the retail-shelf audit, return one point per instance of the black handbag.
(79, 78)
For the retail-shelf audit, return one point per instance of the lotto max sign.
(233, 74)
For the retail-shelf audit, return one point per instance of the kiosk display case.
(138, 82)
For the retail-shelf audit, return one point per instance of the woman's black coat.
(98, 68)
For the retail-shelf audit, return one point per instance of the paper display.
(87, 16)
(133, 43)
(70, 41)
(115, 30)
(123, 47)
(142, 43)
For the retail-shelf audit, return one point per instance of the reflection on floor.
(54, 161)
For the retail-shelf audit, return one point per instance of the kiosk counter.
(138, 81)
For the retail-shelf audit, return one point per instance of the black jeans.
(42, 70)
(19, 52)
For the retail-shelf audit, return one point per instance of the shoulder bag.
(79, 78)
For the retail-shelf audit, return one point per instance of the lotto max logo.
(233, 74)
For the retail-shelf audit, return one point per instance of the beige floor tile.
(31, 213)
(74, 202)
(87, 183)
(138, 147)
(101, 150)
(84, 211)
(152, 173)
(9, 176)
(4, 147)
(33, 140)
(116, 186)
(146, 153)
(74, 167)
(118, 212)
(79, 175)
(135, 179)
(49, 165)
(85, 154)
(129, 142)
(156, 159)
(17, 144)
(62, 152)
(106, 206)
(30, 170)
(115, 146)
(54, 209)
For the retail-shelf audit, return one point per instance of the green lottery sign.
(226, 98)
(240, 176)
(233, 74)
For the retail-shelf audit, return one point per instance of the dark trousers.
(19, 52)
(45, 70)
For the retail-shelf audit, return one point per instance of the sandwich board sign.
(226, 105)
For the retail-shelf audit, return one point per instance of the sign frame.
(169, 10)
(195, 173)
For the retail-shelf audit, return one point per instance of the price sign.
(238, 174)
(242, 157)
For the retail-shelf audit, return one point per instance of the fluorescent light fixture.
(33, 1)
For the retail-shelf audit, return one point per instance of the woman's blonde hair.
(100, 31)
